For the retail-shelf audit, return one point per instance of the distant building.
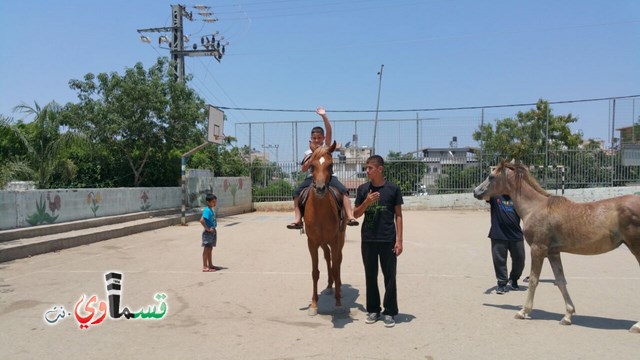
(589, 143)
(630, 145)
(630, 135)
(349, 167)
(436, 158)
(256, 155)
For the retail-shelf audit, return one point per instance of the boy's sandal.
(209, 270)
(295, 226)
(353, 222)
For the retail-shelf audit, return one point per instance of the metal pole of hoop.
(375, 124)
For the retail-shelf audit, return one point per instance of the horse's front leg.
(315, 275)
(561, 282)
(327, 258)
(537, 258)
(336, 255)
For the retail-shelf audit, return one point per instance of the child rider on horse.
(318, 138)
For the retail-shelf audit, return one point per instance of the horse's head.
(322, 164)
(496, 183)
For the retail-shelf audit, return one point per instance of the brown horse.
(323, 225)
(554, 224)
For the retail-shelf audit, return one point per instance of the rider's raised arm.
(327, 125)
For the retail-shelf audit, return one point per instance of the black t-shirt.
(505, 221)
(379, 218)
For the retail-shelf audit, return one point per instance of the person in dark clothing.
(506, 237)
(381, 203)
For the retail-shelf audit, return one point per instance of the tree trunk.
(137, 172)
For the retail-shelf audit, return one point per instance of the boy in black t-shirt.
(381, 203)
(506, 236)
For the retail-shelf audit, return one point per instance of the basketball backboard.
(215, 132)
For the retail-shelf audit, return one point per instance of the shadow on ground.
(327, 302)
(593, 322)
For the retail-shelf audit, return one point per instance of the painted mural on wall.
(233, 186)
(200, 196)
(144, 201)
(93, 200)
(41, 216)
(43, 207)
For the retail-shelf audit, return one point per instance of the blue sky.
(298, 54)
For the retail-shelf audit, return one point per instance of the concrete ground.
(256, 307)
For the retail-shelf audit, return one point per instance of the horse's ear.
(513, 160)
(332, 147)
(312, 146)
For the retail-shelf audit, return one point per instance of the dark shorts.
(209, 239)
(333, 182)
(305, 184)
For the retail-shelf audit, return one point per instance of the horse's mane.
(320, 151)
(522, 174)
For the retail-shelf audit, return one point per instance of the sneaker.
(372, 317)
(514, 284)
(501, 289)
(388, 321)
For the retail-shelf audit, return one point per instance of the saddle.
(335, 194)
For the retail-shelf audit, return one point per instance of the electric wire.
(436, 109)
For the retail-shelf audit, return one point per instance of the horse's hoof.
(565, 321)
(521, 315)
(635, 329)
(312, 311)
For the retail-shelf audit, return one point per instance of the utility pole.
(212, 46)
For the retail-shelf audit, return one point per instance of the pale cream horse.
(554, 224)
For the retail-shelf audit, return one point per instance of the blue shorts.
(209, 239)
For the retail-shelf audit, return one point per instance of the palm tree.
(46, 143)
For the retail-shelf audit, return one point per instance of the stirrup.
(295, 226)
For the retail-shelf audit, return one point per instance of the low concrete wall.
(467, 201)
(39, 207)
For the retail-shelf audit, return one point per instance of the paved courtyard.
(256, 306)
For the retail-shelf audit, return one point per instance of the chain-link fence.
(569, 169)
(439, 154)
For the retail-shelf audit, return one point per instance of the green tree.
(141, 116)
(14, 169)
(222, 160)
(526, 135)
(456, 177)
(45, 143)
(12, 165)
(264, 173)
(277, 190)
(404, 170)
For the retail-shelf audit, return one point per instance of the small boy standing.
(209, 235)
